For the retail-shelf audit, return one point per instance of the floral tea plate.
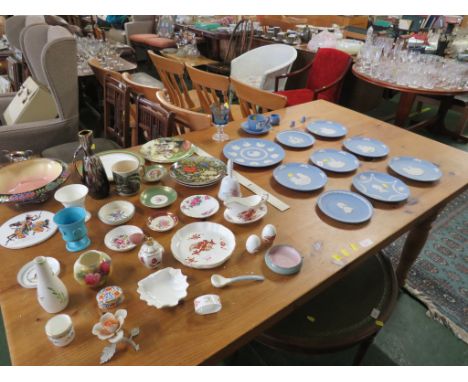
(162, 221)
(345, 206)
(254, 152)
(27, 276)
(415, 169)
(366, 147)
(158, 196)
(381, 186)
(167, 150)
(116, 212)
(300, 176)
(295, 138)
(247, 216)
(199, 206)
(27, 229)
(198, 171)
(203, 245)
(118, 239)
(334, 160)
(154, 173)
(327, 129)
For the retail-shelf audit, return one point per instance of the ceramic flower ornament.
(110, 328)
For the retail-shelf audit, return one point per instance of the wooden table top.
(123, 66)
(189, 60)
(406, 89)
(179, 336)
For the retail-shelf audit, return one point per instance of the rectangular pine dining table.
(178, 336)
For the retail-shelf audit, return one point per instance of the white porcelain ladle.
(219, 281)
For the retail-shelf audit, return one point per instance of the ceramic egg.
(253, 244)
(269, 233)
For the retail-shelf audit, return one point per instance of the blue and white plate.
(295, 138)
(381, 186)
(334, 160)
(366, 147)
(327, 129)
(245, 127)
(415, 169)
(254, 152)
(345, 206)
(300, 176)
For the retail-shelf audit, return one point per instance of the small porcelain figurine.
(151, 253)
(230, 186)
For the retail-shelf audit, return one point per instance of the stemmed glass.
(220, 118)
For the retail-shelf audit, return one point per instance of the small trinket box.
(59, 330)
(109, 297)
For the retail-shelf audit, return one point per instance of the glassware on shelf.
(220, 118)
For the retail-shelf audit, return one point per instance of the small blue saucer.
(245, 127)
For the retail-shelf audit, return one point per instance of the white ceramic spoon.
(219, 281)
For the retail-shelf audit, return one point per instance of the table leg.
(404, 108)
(413, 245)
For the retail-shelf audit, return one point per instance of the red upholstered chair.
(325, 79)
(142, 30)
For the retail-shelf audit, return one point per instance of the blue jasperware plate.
(327, 129)
(300, 176)
(415, 169)
(334, 160)
(295, 138)
(345, 206)
(254, 152)
(366, 147)
(381, 186)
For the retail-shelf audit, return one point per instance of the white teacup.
(73, 195)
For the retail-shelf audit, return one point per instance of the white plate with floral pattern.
(203, 245)
(118, 239)
(116, 212)
(247, 216)
(199, 206)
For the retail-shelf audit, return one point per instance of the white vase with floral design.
(52, 293)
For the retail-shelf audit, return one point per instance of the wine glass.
(220, 118)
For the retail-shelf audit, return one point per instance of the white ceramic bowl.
(116, 212)
(164, 288)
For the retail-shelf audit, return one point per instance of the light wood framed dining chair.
(143, 84)
(254, 100)
(172, 74)
(100, 72)
(184, 119)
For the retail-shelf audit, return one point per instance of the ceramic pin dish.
(116, 212)
(158, 196)
(283, 259)
(154, 173)
(162, 221)
(120, 239)
(164, 288)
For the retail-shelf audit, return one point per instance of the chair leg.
(362, 350)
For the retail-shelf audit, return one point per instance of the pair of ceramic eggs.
(253, 243)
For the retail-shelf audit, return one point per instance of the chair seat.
(297, 96)
(65, 151)
(143, 78)
(153, 40)
(340, 316)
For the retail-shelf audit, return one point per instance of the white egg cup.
(73, 195)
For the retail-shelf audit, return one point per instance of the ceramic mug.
(59, 330)
(73, 195)
(127, 177)
(71, 224)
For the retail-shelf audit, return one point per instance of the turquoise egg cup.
(71, 224)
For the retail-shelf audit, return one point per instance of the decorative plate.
(154, 173)
(327, 129)
(27, 276)
(116, 212)
(167, 150)
(118, 239)
(295, 138)
(199, 206)
(27, 229)
(162, 221)
(203, 245)
(198, 171)
(366, 147)
(345, 206)
(245, 127)
(300, 176)
(246, 217)
(415, 169)
(110, 157)
(158, 196)
(164, 288)
(381, 186)
(334, 160)
(254, 152)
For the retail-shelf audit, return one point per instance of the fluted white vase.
(52, 293)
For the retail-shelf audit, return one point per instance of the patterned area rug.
(439, 277)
